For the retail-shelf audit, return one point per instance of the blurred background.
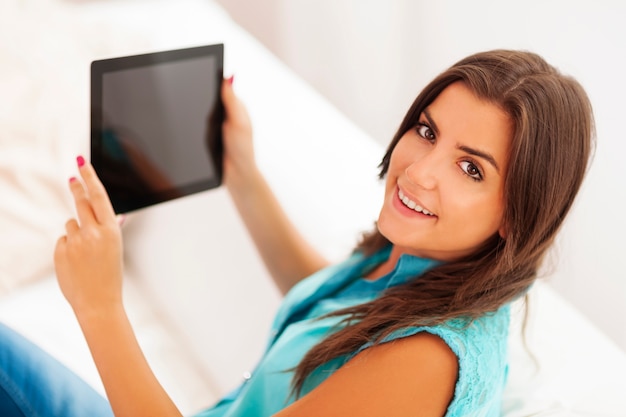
(370, 58)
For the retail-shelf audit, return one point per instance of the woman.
(479, 178)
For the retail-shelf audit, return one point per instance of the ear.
(502, 231)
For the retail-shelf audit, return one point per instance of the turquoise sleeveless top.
(480, 345)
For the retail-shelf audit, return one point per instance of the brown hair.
(551, 147)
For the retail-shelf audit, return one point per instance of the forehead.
(468, 120)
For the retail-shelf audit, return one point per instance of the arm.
(88, 263)
(286, 254)
(414, 376)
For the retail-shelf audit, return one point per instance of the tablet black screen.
(156, 125)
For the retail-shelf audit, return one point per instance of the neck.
(385, 267)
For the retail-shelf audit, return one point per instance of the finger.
(81, 201)
(236, 113)
(71, 226)
(100, 203)
(120, 219)
(228, 96)
(59, 247)
(61, 241)
(60, 250)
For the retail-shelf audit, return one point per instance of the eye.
(425, 131)
(470, 169)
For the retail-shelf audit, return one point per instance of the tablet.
(156, 123)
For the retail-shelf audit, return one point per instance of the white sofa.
(196, 290)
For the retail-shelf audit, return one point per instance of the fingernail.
(231, 79)
(80, 161)
(72, 179)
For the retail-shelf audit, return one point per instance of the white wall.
(371, 57)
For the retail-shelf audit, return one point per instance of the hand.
(88, 259)
(239, 163)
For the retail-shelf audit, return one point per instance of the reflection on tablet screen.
(156, 126)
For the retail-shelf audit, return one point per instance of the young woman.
(479, 178)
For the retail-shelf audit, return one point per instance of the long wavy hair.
(553, 134)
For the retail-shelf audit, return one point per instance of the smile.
(412, 204)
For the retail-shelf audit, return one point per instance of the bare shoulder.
(415, 375)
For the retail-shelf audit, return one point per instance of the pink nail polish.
(80, 161)
(72, 179)
(231, 79)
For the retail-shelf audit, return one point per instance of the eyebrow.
(484, 155)
(431, 122)
(481, 154)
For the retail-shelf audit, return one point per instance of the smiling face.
(445, 182)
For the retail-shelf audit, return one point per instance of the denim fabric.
(33, 384)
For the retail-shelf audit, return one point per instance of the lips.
(413, 205)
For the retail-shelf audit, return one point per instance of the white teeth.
(412, 204)
(409, 203)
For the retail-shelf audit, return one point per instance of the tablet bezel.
(101, 67)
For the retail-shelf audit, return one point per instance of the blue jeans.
(33, 384)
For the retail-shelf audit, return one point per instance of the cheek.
(403, 155)
(484, 214)
(393, 171)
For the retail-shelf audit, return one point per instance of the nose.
(424, 171)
